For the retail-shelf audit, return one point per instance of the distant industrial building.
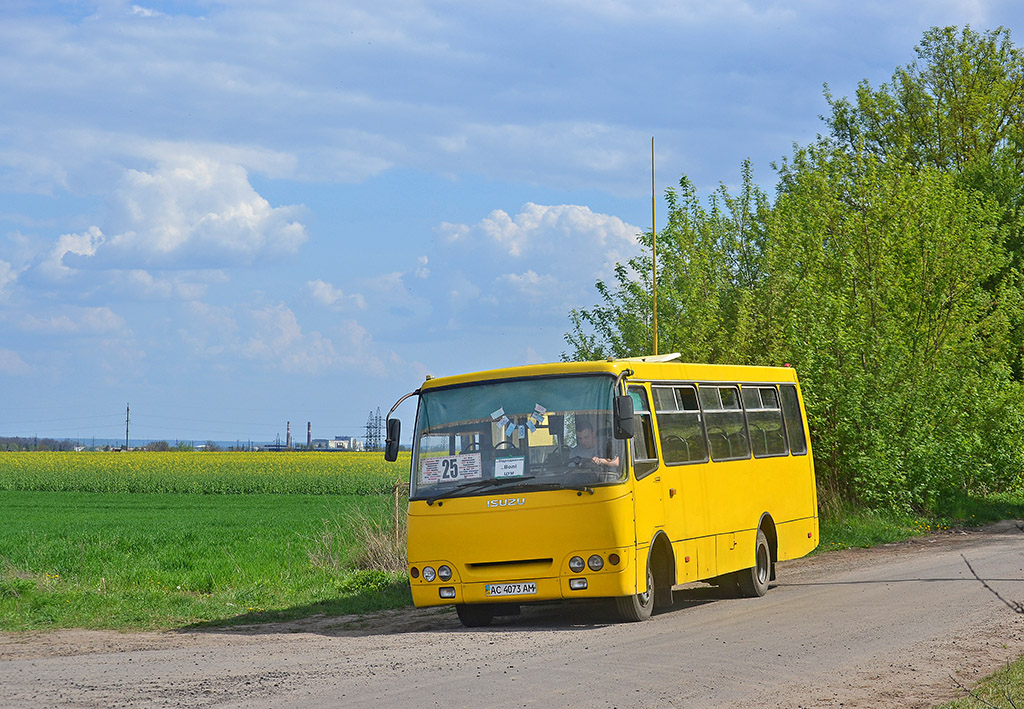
(341, 443)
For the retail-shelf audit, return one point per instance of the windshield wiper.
(560, 486)
(477, 485)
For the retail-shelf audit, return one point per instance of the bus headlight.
(576, 564)
(444, 572)
(428, 573)
(595, 562)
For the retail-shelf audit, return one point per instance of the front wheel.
(474, 616)
(638, 606)
(753, 582)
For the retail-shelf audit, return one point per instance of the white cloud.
(326, 294)
(12, 363)
(546, 257)
(529, 284)
(187, 286)
(559, 236)
(191, 212)
(7, 276)
(278, 338)
(74, 320)
(84, 244)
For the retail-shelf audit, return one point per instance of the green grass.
(1003, 689)
(119, 560)
(845, 525)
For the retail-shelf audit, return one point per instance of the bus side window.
(764, 420)
(679, 425)
(645, 456)
(726, 425)
(794, 421)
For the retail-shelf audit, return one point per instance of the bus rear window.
(794, 422)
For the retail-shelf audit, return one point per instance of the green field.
(141, 557)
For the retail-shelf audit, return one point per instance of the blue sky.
(238, 214)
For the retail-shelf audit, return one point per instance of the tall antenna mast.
(127, 412)
(654, 251)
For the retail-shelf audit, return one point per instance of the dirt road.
(895, 626)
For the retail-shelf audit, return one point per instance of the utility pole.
(127, 412)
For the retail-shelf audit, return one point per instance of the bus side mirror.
(623, 417)
(391, 444)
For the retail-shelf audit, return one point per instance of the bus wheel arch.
(663, 565)
(660, 574)
(767, 525)
(753, 582)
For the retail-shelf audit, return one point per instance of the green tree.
(957, 108)
(877, 280)
(710, 259)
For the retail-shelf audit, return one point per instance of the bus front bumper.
(608, 582)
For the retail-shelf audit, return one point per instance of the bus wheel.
(638, 606)
(474, 616)
(754, 581)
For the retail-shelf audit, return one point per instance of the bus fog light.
(576, 564)
(577, 584)
(428, 573)
(444, 572)
(595, 562)
(446, 592)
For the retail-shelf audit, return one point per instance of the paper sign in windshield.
(452, 468)
(509, 467)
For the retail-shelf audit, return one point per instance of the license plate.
(510, 589)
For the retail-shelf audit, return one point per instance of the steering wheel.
(474, 446)
(510, 444)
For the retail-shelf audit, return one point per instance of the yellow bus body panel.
(523, 538)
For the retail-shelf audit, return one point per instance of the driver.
(589, 447)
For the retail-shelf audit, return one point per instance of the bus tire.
(753, 582)
(474, 616)
(638, 606)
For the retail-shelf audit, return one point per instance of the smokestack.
(309, 434)
(288, 437)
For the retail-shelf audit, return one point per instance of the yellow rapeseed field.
(292, 472)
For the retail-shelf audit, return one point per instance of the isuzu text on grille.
(507, 502)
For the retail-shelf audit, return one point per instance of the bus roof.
(644, 368)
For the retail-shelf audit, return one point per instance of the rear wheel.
(474, 616)
(753, 582)
(638, 606)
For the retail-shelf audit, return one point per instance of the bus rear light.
(446, 592)
(578, 584)
(576, 564)
(595, 562)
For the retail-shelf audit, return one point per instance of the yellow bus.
(613, 479)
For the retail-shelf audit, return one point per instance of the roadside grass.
(1002, 689)
(148, 561)
(843, 525)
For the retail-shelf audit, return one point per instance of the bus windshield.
(540, 433)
